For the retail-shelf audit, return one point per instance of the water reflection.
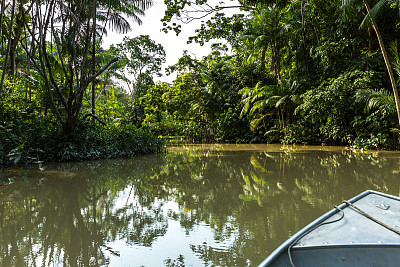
(221, 205)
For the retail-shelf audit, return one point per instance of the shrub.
(43, 141)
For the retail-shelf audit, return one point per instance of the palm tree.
(381, 99)
(109, 13)
(256, 102)
(259, 100)
(266, 32)
(66, 34)
(370, 20)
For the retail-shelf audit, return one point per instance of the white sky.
(173, 45)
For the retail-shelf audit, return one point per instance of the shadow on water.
(227, 205)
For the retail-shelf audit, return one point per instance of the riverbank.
(34, 143)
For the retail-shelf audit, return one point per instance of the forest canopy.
(300, 71)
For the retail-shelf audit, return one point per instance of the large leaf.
(374, 14)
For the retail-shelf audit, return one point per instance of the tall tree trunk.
(8, 46)
(387, 62)
(398, 6)
(65, 92)
(94, 58)
(2, 8)
(303, 44)
(20, 20)
(370, 47)
(263, 55)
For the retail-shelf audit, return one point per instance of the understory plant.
(43, 141)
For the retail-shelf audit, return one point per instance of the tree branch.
(94, 76)
(95, 117)
(187, 18)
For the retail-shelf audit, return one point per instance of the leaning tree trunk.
(387, 62)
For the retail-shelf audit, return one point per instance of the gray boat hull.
(346, 237)
(343, 256)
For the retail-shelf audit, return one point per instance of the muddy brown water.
(196, 205)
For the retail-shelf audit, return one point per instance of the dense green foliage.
(39, 141)
(60, 92)
(315, 72)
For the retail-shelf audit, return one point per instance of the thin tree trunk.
(370, 47)
(94, 58)
(398, 6)
(8, 47)
(2, 8)
(263, 54)
(387, 62)
(78, 71)
(20, 21)
(303, 44)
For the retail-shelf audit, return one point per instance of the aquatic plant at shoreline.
(24, 142)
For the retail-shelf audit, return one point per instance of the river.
(196, 205)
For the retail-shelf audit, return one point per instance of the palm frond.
(245, 108)
(348, 9)
(271, 101)
(245, 91)
(260, 40)
(281, 101)
(255, 122)
(285, 29)
(130, 6)
(374, 14)
(247, 37)
(194, 108)
(273, 131)
(395, 57)
(377, 99)
(121, 77)
(118, 23)
(296, 99)
(395, 131)
(70, 12)
(258, 105)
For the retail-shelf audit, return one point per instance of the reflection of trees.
(264, 196)
(252, 201)
(44, 226)
(145, 224)
(179, 262)
(68, 220)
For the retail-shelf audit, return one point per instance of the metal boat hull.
(346, 256)
(349, 239)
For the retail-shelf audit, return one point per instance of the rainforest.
(292, 72)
